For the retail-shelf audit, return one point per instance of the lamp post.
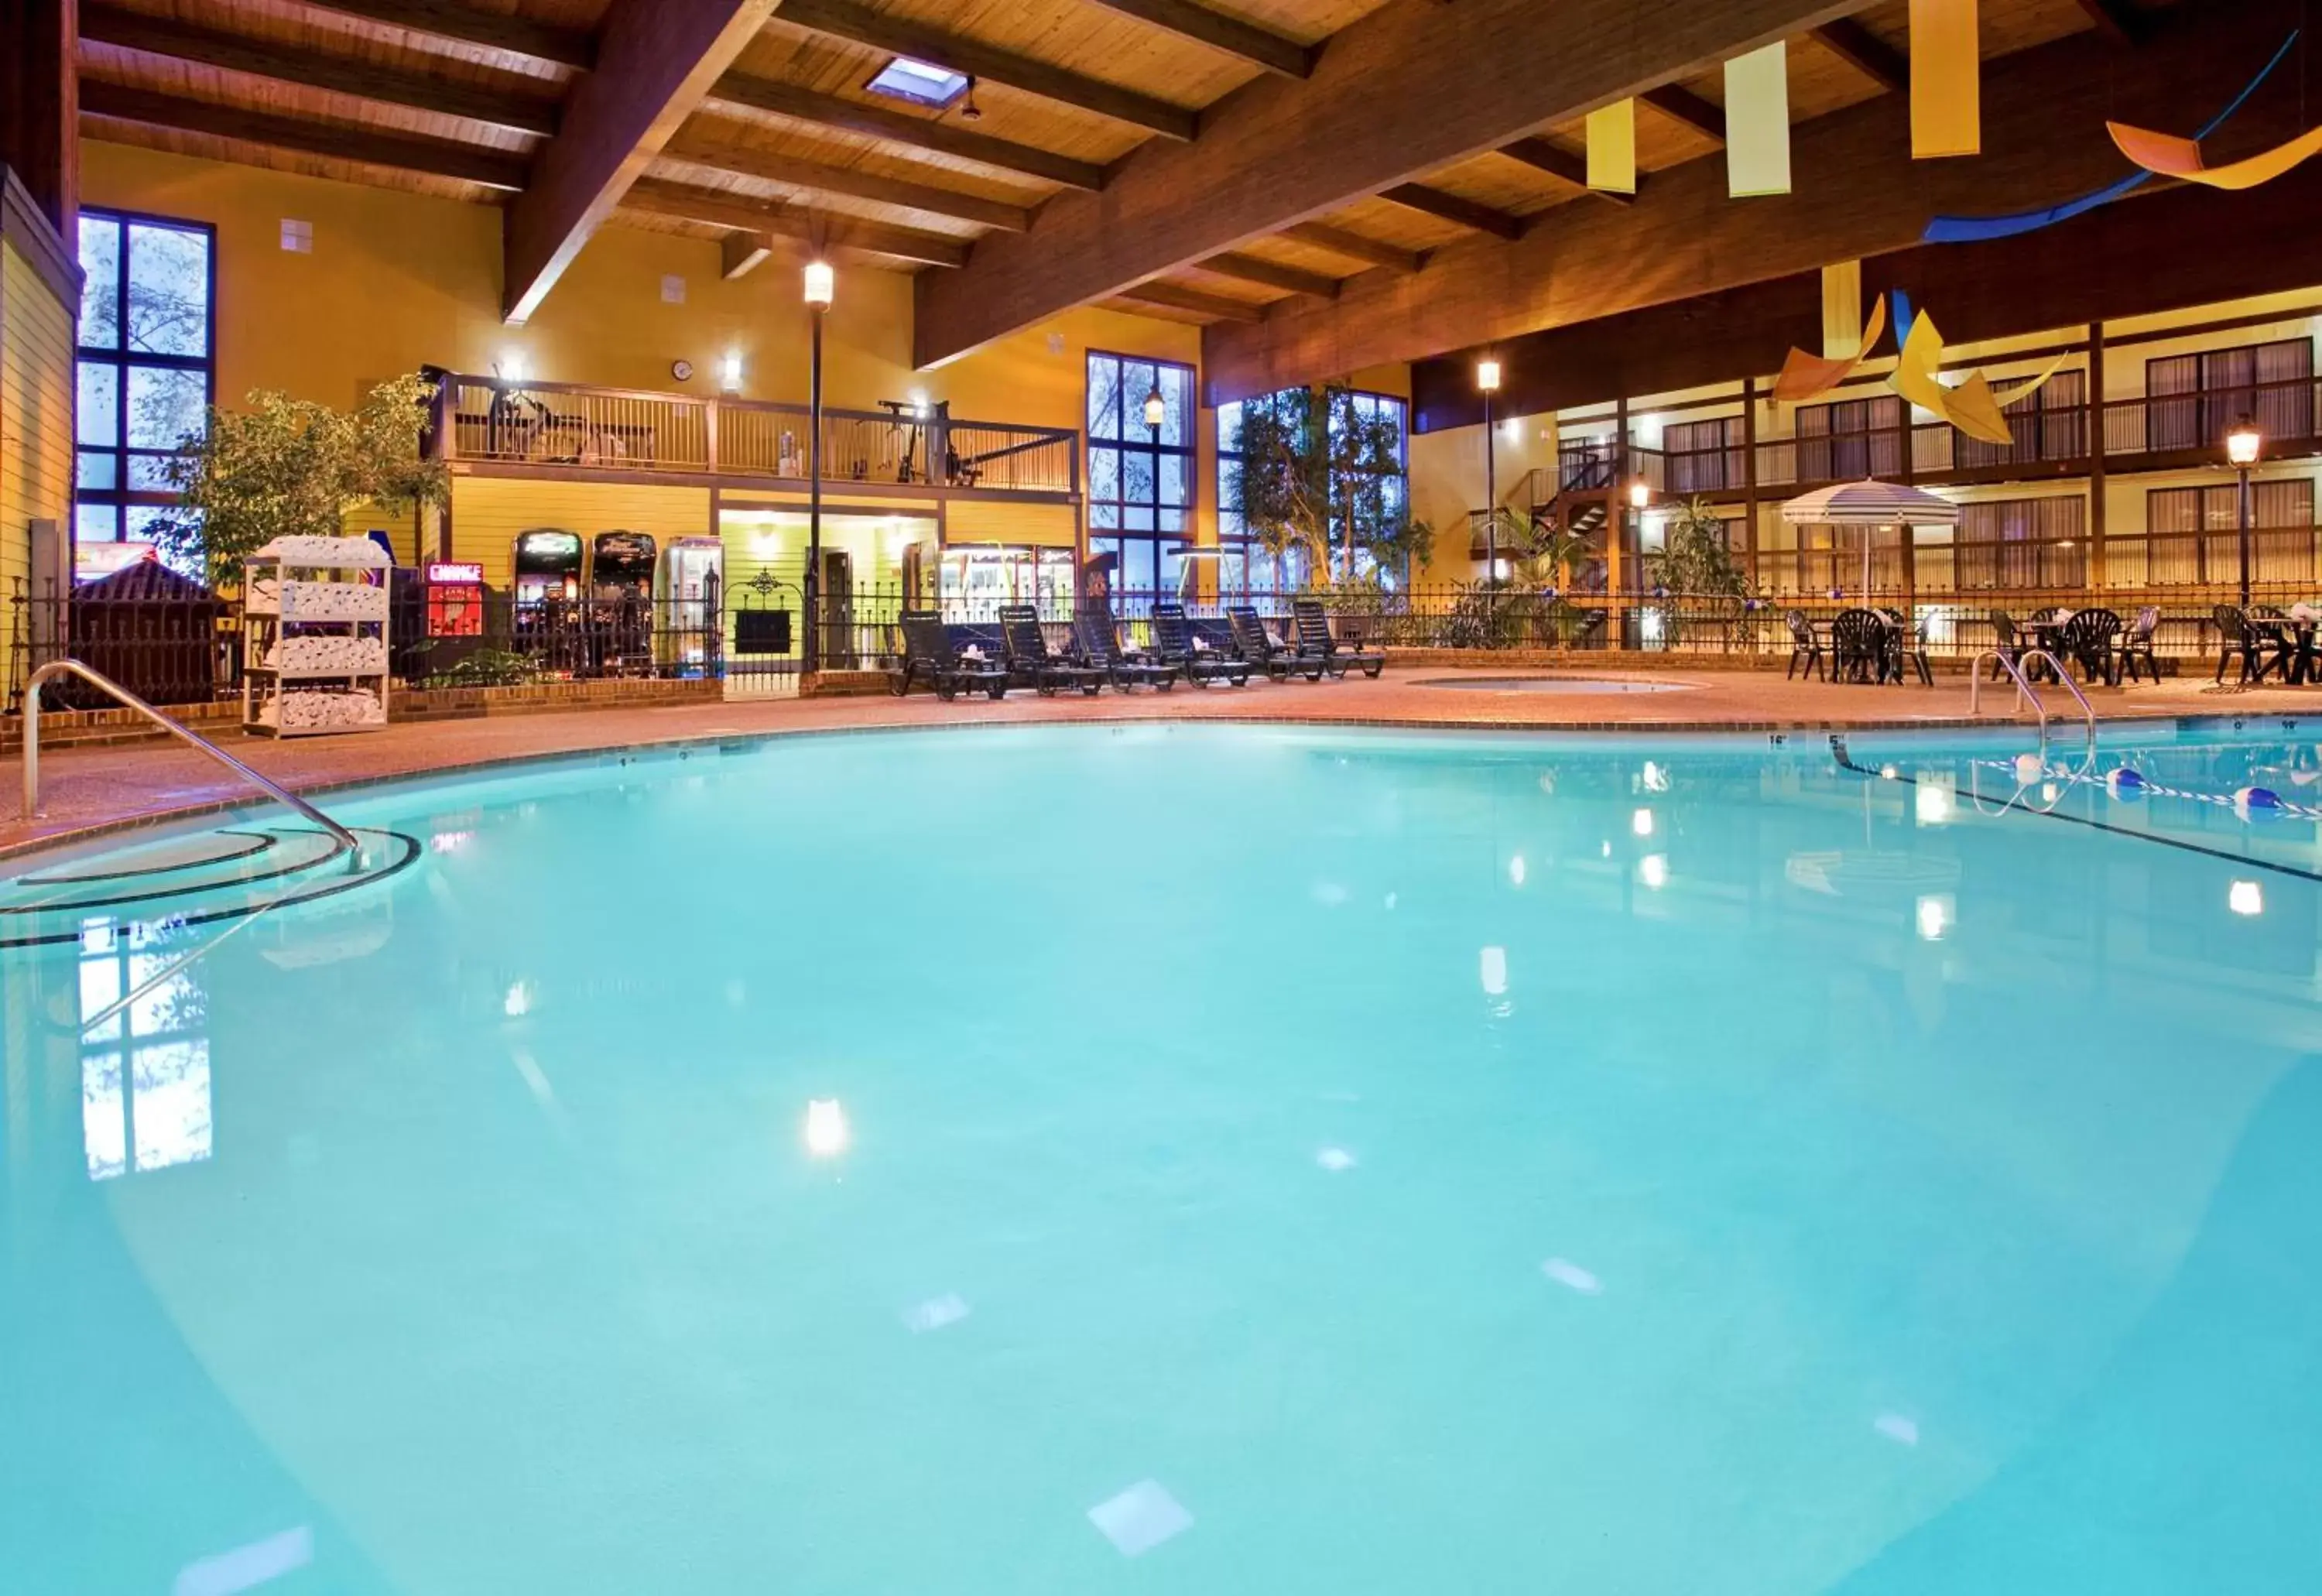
(821, 283)
(2242, 447)
(1487, 379)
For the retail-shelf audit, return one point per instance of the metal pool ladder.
(2023, 690)
(346, 839)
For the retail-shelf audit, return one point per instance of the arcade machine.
(693, 572)
(621, 604)
(547, 620)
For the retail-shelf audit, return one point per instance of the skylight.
(904, 79)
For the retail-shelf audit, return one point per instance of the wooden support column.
(40, 106)
(1750, 478)
(2099, 576)
(1616, 531)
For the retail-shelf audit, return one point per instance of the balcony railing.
(625, 430)
(2155, 431)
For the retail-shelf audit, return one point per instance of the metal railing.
(2024, 690)
(343, 840)
(579, 428)
(2163, 429)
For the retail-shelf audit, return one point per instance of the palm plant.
(1695, 575)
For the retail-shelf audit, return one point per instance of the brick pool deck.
(102, 787)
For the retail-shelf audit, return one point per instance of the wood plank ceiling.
(789, 150)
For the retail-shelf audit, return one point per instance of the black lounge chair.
(1098, 641)
(1030, 662)
(2262, 648)
(1314, 638)
(2088, 639)
(1173, 637)
(930, 655)
(1858, 646)
(1258, 647)
(1907, 648)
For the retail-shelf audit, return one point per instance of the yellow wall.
(36, 400)
(488, 512)
(397, 280)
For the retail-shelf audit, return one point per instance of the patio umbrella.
(1870, 504)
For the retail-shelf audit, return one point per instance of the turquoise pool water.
(1184, 1159)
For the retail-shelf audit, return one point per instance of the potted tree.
(286, 467)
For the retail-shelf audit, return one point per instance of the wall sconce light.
(729, 372)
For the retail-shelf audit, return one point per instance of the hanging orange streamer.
(2165, 155)
(1809, 376)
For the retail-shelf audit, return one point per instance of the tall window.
(1244, 566)
(1140, 480)
(1372, 496)
(147, 364)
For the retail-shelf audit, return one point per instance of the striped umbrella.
(1870, 504)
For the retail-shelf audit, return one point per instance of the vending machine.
(456, 598)
(693, 603)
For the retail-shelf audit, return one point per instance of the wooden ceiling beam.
(1680, 103)
(741, 253)
(1353, 246)
(900, 35)
(896, 127)
(655, 60)
(1561, 164)
(2116, 20)
(1192, 299)
(1284, 57)
(714, 207)
(1269, 274)
(446, 19)
(692, 147)
(436, 157)
(1858, 194)
(1450, 207)
(1410, 86)
(1866, 53)
(164, 36)
(39, 131)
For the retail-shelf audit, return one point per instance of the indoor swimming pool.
(1176, 1158)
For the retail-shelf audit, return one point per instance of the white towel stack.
(329, 656)
(306, 711)
(332, 601)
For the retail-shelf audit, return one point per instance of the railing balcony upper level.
(2154, 431)
(586, 429)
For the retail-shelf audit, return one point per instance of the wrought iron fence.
(178, 653)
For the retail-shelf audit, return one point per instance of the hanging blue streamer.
(1968, 230)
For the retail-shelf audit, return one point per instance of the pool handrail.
(346, 839)
(2024, 689)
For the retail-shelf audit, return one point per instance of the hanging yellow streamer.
(1972, 406)
(1809, 376)
(2165, 155)
(1757, 122)
(1946, 79)
(1612, 147)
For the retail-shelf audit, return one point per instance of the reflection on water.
(145, 1070)
(1825, 1186)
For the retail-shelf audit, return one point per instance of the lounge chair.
(1173, 637)
(1030, 662)
(1258, 647)
(930, 655)
(1100, 645)
(1314, 637)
